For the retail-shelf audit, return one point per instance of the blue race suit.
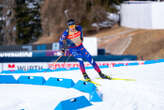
(74, 44)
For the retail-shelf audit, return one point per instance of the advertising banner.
(0, 67)
(13, 67)
(107, 64)
(16, 54)
(59, 66)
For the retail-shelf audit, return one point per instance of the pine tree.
(7, 22)
(28, 21)
(1, 23)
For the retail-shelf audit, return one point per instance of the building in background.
(142, 14)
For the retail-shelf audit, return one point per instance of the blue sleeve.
(62, 38)
(79, 28)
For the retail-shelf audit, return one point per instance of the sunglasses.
(72, 26)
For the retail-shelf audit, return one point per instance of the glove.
(63, 51)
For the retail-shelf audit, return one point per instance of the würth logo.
(11, 65)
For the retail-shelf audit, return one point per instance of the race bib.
(75, 37)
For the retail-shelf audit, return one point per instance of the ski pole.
(57, 59)
(54, 62)
(66, 61)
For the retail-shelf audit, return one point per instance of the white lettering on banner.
(63, 65)
(16, 54)
(34, 67)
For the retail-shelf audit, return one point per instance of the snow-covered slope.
(146, 93)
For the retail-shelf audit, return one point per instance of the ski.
(97, 84)
(129, 79)
(93, 82)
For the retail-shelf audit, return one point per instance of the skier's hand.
(63, 51)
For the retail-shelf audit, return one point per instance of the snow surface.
(146, 93)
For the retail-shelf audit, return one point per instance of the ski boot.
(86, 77)
(103, 76)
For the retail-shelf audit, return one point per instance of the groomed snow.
(146, 93)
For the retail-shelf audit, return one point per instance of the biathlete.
(73, 39)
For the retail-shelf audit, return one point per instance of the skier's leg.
(82, 68)
(89, 58)
(78, 57)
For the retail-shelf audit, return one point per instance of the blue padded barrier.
(96, 96)
(36, 80)
(60, 82)
(73, 103)
(85, 86)
(7, 79)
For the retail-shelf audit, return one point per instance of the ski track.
(146, 93)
